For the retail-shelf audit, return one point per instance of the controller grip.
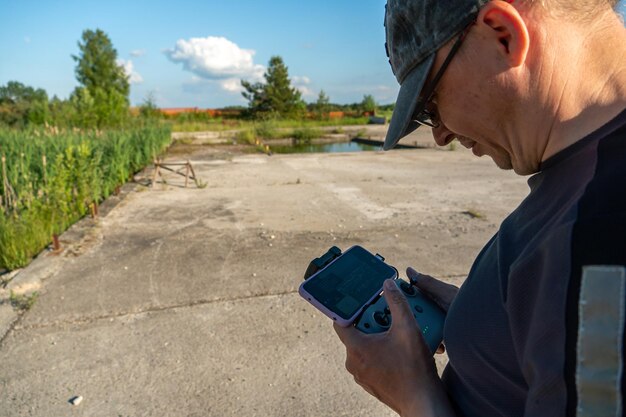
(377, 318)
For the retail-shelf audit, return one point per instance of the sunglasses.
(422, 116)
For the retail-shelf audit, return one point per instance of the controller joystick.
(382, 319)
(377, 318)
(408, 289)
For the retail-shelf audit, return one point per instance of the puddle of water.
(325, 148)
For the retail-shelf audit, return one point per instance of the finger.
(439, 291)
(349, 336)
(398, 304)
(369, 390)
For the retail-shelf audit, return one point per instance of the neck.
(587, 84)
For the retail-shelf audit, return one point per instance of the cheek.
(467, 106)
(459, 102)
(461, 113)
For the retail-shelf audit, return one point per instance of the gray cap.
(415, 30)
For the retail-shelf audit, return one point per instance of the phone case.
(344, 322)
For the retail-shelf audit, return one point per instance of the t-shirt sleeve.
(565, 303)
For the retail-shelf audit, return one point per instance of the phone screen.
(349, 282)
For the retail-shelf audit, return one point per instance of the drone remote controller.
(377, 318)
(347, 288)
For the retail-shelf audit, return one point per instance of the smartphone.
(347, 285)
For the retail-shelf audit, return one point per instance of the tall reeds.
(48, 179)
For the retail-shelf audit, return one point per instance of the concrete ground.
(183, 301)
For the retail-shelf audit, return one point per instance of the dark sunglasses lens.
(426, 118)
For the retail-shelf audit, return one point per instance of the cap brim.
(401, 121)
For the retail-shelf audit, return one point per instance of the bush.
(306, 134)
(266, 130)
(246, 136)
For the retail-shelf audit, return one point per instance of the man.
(537, 328)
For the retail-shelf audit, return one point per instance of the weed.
(266, 130)
(23, 302)
(304, 135)
(185, 141)
(246, 136)
(474, 214)
(362, 133)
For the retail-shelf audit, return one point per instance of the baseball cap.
(415, 30)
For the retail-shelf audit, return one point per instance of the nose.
(442, 135)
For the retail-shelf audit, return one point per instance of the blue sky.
(193, 53)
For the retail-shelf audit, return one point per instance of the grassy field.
(49, 178)
(219, 124)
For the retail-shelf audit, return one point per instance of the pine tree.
(322, 105)
(104, 86)
(368, 104)
(276, 97)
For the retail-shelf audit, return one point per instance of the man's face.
(468, 105)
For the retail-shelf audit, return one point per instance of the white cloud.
(232, 84)
(302, 80)
(133, 76)
(302, 83)
(137, 53)
(385, 93)
(217, 58)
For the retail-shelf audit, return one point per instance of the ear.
(503, 23)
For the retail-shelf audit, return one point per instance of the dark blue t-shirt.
(513, 332)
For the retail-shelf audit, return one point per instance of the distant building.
(336, 115)
(175, 111)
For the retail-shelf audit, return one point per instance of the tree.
(62, 112)
(21, 105)
(276, 97)
(322, 105)
(258, 105)
(368, 104)
(85, 108)
(104, 86)
(148, 109)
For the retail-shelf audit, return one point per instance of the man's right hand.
(441, 293)
(396, 366)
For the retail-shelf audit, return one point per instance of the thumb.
(440, 292)
(398, 305)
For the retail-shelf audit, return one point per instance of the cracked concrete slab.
(182, 301)
(184, 361)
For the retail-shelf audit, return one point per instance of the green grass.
(267, 130)
(474, 214)
(306, 134)
(50, 177)
(219, 125)
(246, 136)
(215, 125)
(272, 130)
